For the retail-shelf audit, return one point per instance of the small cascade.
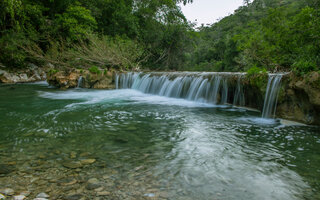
(271, 97)
(225, 89)
(239, 99)
(79, 82)
(208, 87)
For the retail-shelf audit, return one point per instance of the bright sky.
(209, 11)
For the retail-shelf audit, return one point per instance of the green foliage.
(75, 22)
(275, 35)
(272, 34)
(256, 70)
(52, 72)
(11, 54)
(94, 69)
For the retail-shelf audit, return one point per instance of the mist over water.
(188, 149)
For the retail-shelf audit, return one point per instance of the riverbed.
(124, 144)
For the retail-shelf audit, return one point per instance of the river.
(144, 146)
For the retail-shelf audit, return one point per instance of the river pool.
(131, 145)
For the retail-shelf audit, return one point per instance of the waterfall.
(79, 82)
(201, 87)
(271, 97)
(224, 96)
(239, 95)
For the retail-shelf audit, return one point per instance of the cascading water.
(239, 95)
(271, 97)
(79, 82)
(202, 87)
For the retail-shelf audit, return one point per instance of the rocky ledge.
(31, 74)
(81, 78)
(299, 98)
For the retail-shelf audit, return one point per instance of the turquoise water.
(149, 146)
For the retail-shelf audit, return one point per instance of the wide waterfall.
(207, 87)
(271, 97)
(213, 88)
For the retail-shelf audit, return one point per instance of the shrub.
(256, 70)
(95, 70)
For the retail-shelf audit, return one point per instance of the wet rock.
(19, 197)
(104, 193)
(67, 182)
(5, 169)
(93, 180)
(73, 155)
(74, 197)
(25, 193)
(87, 161)
(98, 189)
(7, 191)
(92, 186)
(72, 165)
(43, 195)
(149, 195)
(40, 199)
(84, 154)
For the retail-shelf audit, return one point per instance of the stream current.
(146, 146)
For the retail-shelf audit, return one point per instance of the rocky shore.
(74, 176)
(31, 74)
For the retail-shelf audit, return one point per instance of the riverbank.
(298, 98)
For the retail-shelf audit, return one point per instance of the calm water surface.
(153, 147)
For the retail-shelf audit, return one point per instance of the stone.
(92, 186)
(98, 189)
(43, 195)
(72, 164)
(73, 155)
(87, 161)
(25, 193)
(67, 182)
(93, 180)
(149, 195)
(74, 197)
(7, 191)
(40, 199)
(104, 193)
(5, 169)
(19, 197)
(84, 154)
(2, 197)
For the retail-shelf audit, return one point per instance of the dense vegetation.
(277, 35)
(273, 35)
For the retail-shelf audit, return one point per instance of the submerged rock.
(19, 197)
(72, 165)
(7, 191)
(5, 169)
(104, 193)
(87, 161)
(43, 195)
(74, 197)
